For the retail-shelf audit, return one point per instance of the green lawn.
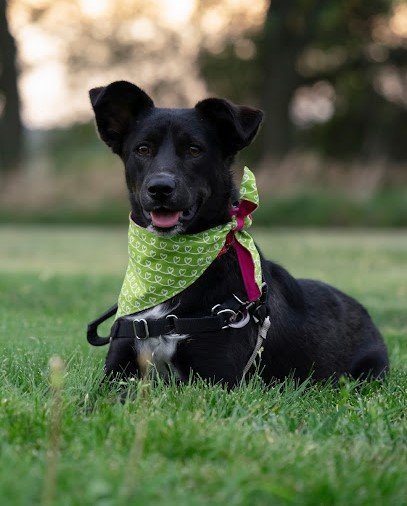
(192, 445)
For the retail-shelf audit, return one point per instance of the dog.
(179, 178)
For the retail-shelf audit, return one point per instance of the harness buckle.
(147, 333)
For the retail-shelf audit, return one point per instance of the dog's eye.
(144, 150)
(194, 150)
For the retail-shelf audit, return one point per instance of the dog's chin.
(166, 222)
(176, 230)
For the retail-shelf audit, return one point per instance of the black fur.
(315, 328)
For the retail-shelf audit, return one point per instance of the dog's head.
(177, 161)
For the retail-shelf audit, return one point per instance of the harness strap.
(143, 329)
(226, 316)
(231, 313)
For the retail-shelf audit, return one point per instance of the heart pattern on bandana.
(161, 267)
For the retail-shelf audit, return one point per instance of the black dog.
(178, 172)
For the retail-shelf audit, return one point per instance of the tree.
(289, 27)
(154, 44)
(11, 131)
(348, 47)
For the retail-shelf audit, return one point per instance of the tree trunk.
(281, 81)
(11, 131)
(288, 28)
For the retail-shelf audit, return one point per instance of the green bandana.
(161, 267)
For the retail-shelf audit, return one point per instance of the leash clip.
(232, 313)
(242, 322)
(233, 321)
(232, 317)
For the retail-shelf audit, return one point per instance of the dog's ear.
(236, 124)
(115, 106)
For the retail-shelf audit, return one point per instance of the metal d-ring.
(137, 320)
(172, 318)
(241, 323)
(232, 317)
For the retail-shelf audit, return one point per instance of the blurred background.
(331, 76)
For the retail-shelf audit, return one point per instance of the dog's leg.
(121, 361)
(370, 364)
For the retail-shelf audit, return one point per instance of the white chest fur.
(158, 351)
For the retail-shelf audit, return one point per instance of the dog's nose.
(161, 186)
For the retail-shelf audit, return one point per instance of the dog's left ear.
(237, 125)
(115, 107)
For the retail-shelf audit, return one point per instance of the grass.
(308, 445)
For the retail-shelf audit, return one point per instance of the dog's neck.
(162, 267)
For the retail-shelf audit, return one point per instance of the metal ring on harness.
(242, 322)
(232, 317)
(147, 333)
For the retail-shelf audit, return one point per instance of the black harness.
(233, 313)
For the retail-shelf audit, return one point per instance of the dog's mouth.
(164, 218)
(167, 220)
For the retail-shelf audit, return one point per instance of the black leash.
(233, 313)
(92, 333)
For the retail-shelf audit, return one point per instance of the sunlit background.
(66, 47)
(331, 77)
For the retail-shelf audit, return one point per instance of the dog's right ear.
(115, 106)
(236, 125)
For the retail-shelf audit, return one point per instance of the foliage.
(387, 208)
(153, 43)
(194, 444)
(330, 75)
(348, 57)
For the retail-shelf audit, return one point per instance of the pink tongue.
(165, 219)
